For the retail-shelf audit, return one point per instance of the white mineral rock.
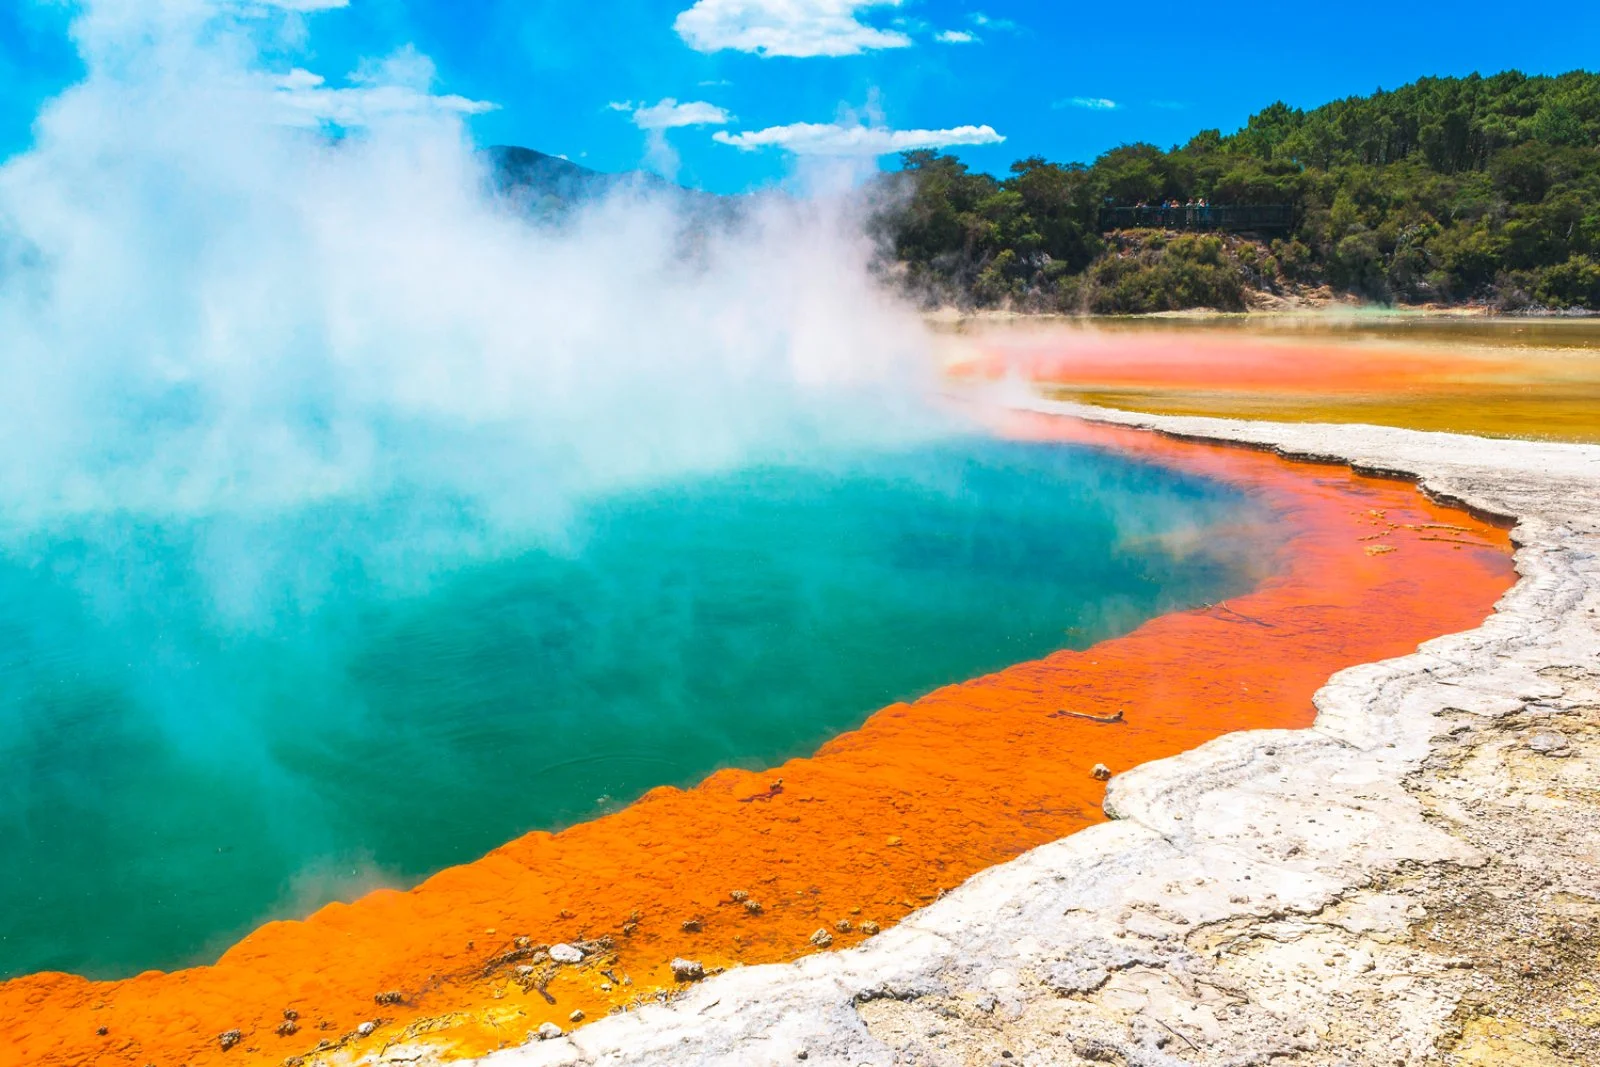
(687, 970)
(565, 953)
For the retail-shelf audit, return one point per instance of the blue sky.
(738, 77)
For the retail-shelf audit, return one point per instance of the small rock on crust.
(753, 907)
(229, 1038)
(548, 1031)
(1550, 743)
(738, 895)
(564, 953)
(843, 926)
(1100, 773)
(577, 1015)
(869, 927)
(822, 939)
(687, 970)
(366, 1028)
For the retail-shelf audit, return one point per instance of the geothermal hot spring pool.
(212, 722)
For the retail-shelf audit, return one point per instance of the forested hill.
(1448, 190)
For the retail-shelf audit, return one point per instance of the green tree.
(1443, 189)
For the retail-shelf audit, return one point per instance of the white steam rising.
(204, 306)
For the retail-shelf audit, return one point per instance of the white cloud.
(671, 115)
(979, 19)
(668, 114)
(786, 27)
(299, 80)
(1088, 103)
(955, 37)
(399, 85)
(267, 9)
(837, 139)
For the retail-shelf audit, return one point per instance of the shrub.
(1575, 283)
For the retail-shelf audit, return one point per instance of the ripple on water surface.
(211, 722)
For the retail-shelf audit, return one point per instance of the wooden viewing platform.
(1227, 217)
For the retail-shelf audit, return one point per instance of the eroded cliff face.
(824, 852)
(1413, 880)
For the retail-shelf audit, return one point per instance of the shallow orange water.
(877, 823)
(1490, 377)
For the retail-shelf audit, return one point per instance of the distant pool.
(209, 723)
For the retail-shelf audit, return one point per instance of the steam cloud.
(208, 307)
(267, 337)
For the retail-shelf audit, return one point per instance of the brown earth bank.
(749, 869)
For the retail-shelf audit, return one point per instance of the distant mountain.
(524, 172)
(543, 182)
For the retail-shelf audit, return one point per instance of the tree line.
(1447, 190)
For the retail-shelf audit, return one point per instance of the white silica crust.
(1261, 898)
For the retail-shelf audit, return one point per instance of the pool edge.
(1092, 905)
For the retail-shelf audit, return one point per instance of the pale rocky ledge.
(1413, 880)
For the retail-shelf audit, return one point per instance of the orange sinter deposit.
(755, 868)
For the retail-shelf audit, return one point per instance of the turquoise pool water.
(210, 722)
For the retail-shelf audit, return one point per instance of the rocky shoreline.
(1415, 879)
